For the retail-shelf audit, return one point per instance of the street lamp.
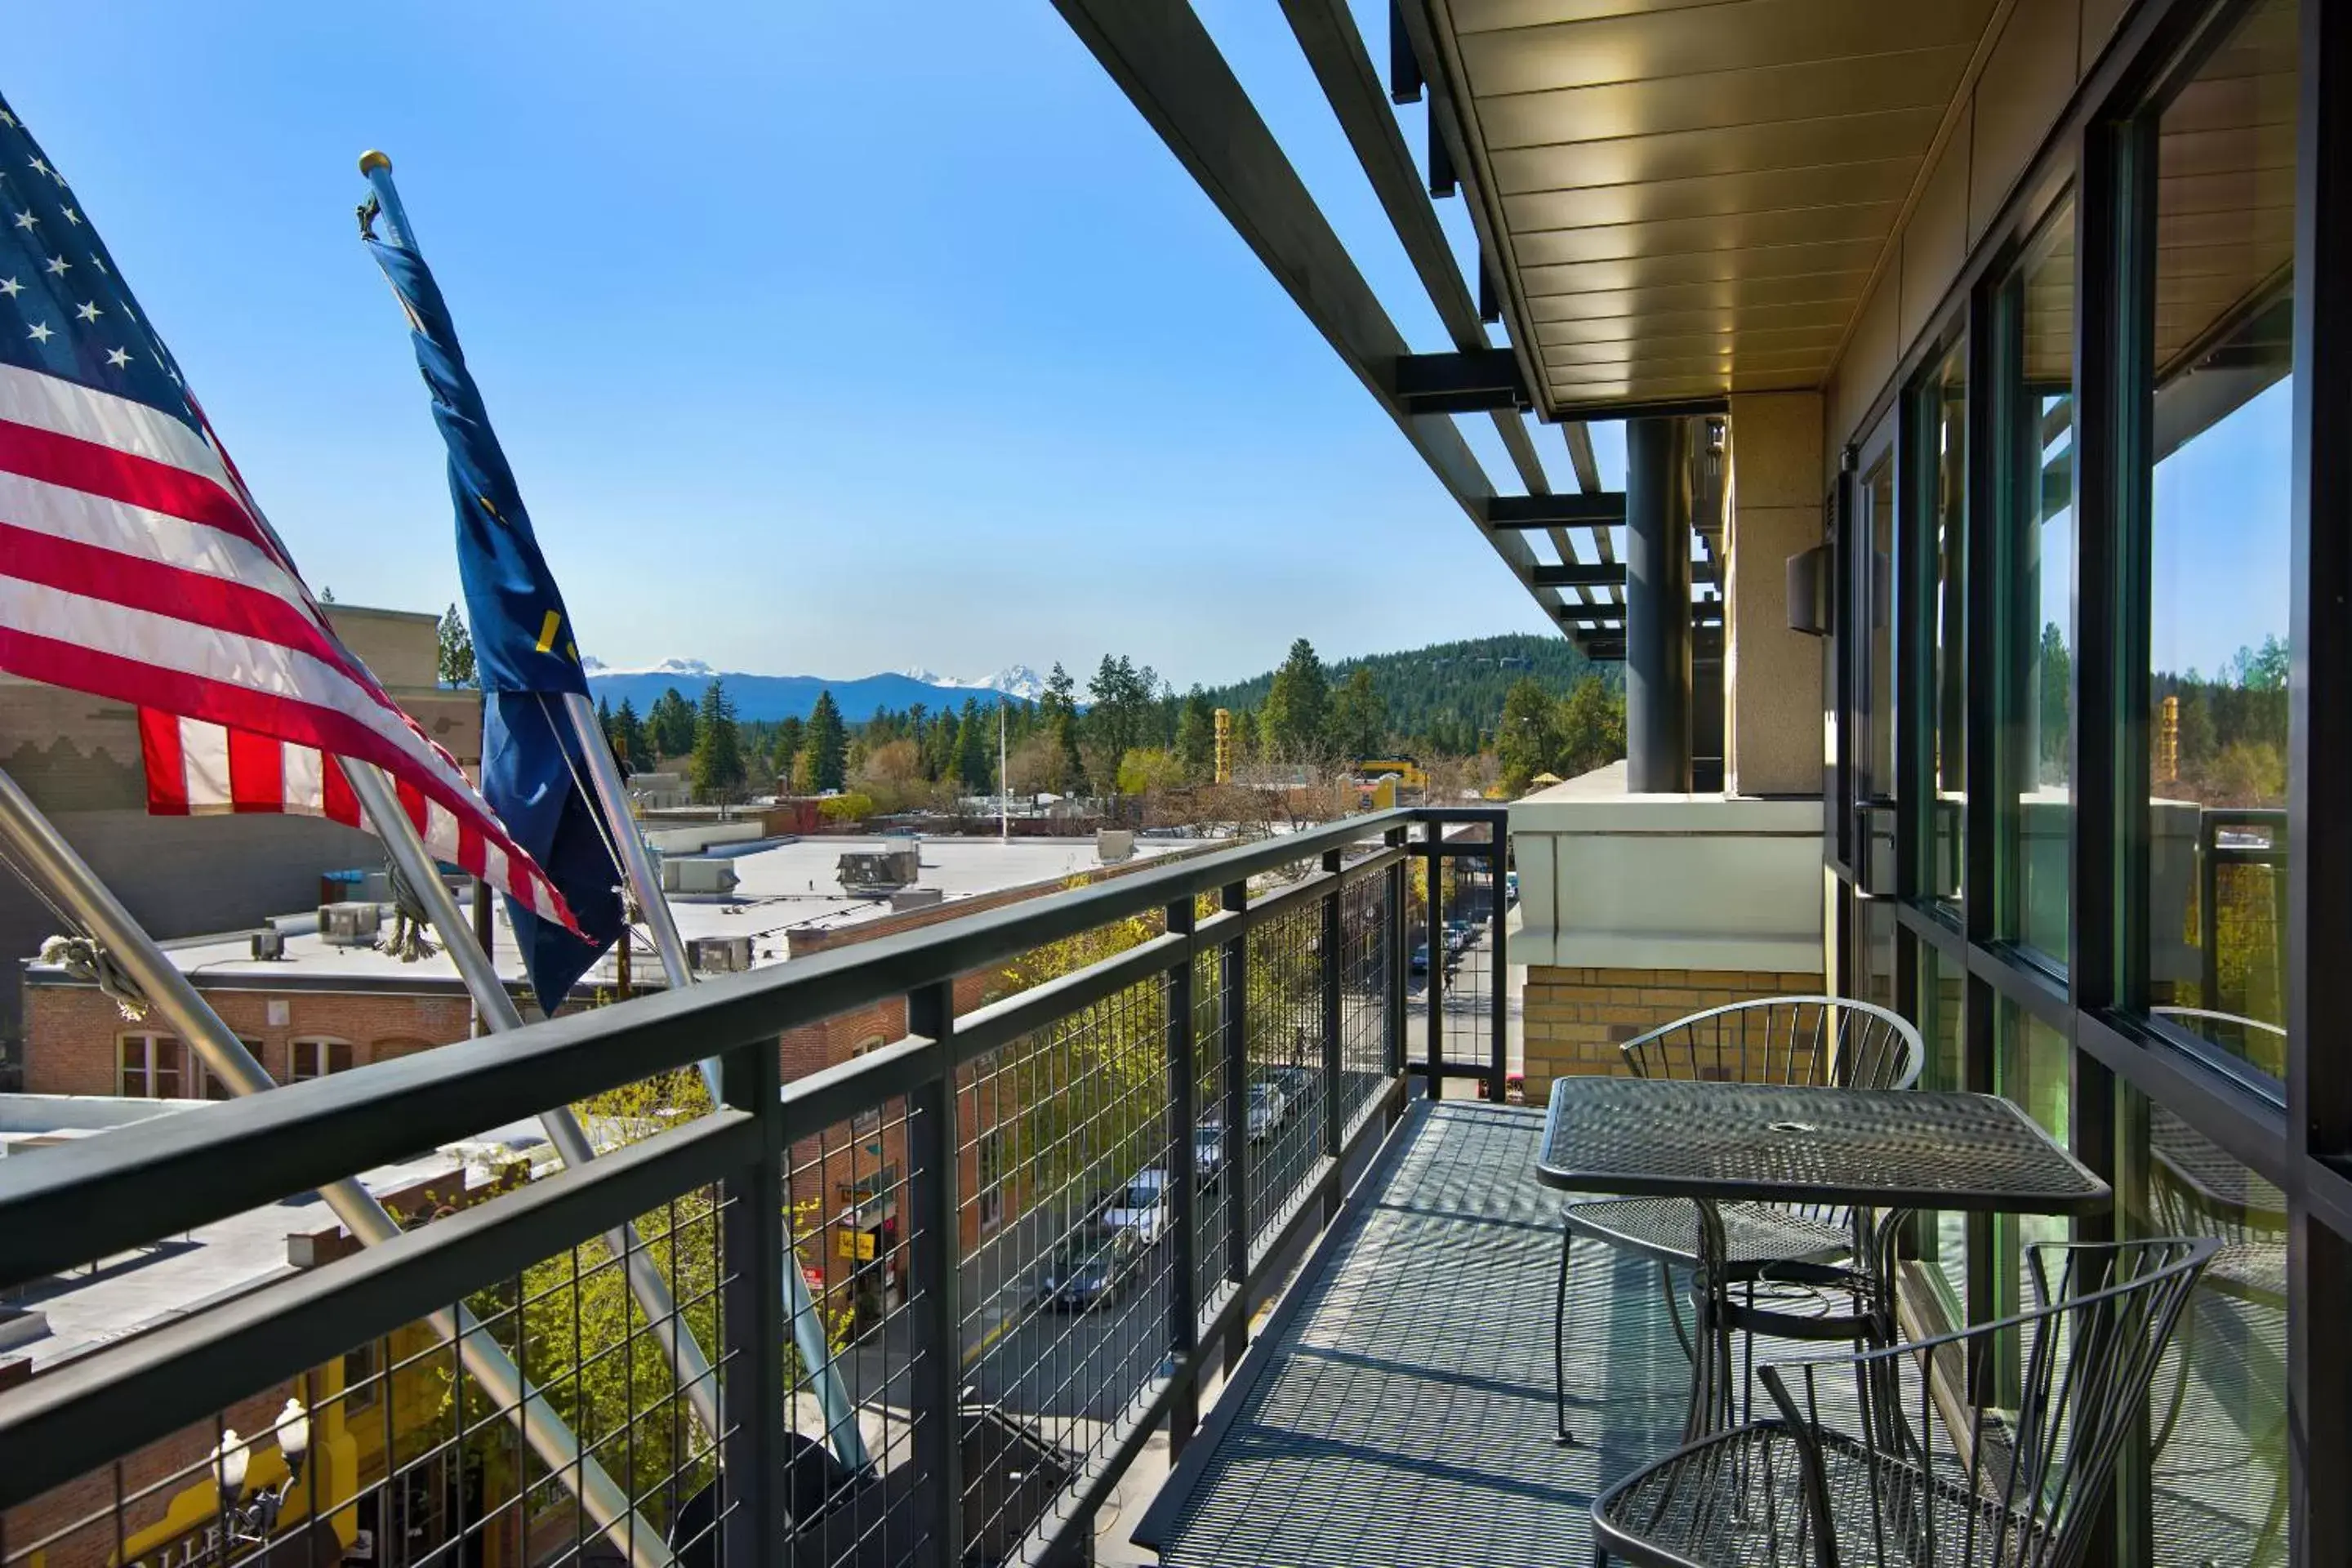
(251, 1522)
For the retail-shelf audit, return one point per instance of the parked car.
(1268, 1107)
(1420, 961)
(1298, 1084)
(1140, 1206)
(1209, 1151)
(1096, 1265)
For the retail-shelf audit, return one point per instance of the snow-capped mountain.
(682, 668)
(793, 696)
(1013, 681)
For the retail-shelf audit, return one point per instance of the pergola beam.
(1604, 509)
(1170, 69)
(1583, 574)
(1336, 51)
(1468, 381)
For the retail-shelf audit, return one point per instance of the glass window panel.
(164, 1076)
(1944, 1237)
(2039, 553)
(1873, 592)
(1875, 595)
(2032, 1066)
(1944, 410)
(1874, 936)
(2217, 1411)
(2220, 562)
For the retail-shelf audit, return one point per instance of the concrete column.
(1657, 607)
(1773, 737)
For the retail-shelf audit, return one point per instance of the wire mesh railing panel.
(1069, 1270)
(1364, 992)
(987, 1268)
(1211, 1147)
(1463, 941)
(550, 1428)
(1284, 1094)
(851, 1202)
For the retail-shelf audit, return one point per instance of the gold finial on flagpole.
(372, 160)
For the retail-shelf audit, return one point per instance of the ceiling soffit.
(1693, 195)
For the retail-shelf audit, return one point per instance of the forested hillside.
(1448, 696)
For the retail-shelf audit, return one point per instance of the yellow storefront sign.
(856, 1245)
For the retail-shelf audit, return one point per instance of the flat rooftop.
(69, 1314)
(793, 884)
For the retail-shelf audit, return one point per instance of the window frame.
(330, 1044)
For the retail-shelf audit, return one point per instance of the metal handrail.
(68, 1204)
(104, 1195)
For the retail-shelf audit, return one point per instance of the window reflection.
(1874, 598)
(1943, 418)
(2217, 1411)
(2032, 1066)
(1944, 1236)
(2039, 550)
(2219, 551)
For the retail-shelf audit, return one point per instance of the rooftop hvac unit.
(719, 955)
(689, 874)
(270, 944)
(350, 924)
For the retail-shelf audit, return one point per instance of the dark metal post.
(752, 1371)
(1334, 1116)
(1433, 986)
(1498, 970)
(2320, 774)
(2208, 921)
(1233, 988)
(1183, 1184)
(935, 1260)
(1657, 608)
(1392, 939)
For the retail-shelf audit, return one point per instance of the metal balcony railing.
(1032, 1229)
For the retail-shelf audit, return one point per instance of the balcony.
(986, 1261)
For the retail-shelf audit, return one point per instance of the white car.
(1268, 1106)
(1142, 1206)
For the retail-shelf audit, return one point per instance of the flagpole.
(1004, 782)
(67, 878)
(613, 797)
(499, 1012)
(808, 1330)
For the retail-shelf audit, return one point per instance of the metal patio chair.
(1879, 1460)
(1810, 1040)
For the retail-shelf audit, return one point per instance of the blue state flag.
(532, 774)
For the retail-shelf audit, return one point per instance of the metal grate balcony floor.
(1398, 1407)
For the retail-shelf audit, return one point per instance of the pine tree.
(1360, 719)
(716, 769)
(1196, 737)
(1292, 725)
(454, 657)
(1528, 740)
(976, 747)
(791, 735)
(629, 738)
(670, 725)
(827, 747)
(1060, 719)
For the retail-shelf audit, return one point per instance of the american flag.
(134, 564)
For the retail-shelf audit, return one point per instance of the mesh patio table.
(1883, 1152)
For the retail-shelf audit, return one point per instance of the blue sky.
(2219, 571)
(821, 341)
